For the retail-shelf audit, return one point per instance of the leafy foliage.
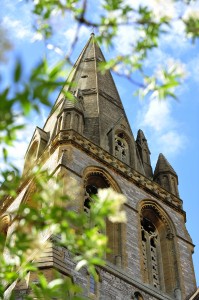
(24, 94)
(59, 221)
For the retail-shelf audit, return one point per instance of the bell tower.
(90, 140)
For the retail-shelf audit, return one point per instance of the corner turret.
(165, 175)
(144, 153)
(71, 114)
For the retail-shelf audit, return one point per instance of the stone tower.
(91, 141)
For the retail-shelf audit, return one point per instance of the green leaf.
(17, 71)
(5, 154)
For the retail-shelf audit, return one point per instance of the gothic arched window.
(76, 122)
(114, 231)
(67, 122)
(121, 147)
(159, 261)
(150, 243)
(166, 182)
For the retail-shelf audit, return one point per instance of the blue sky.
(171, 127)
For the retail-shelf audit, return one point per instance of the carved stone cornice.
(95, 151)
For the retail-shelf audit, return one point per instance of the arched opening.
(114, 231)
(166, 182)
(159, 262)
(67, 122)
(174, 186)
(76, 122)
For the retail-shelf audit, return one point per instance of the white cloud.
(159, 8)
(69, 33)
(122, 42)
(156, 115)
(162, 8)
(193, 68)
(17, 28)
(17, 152)
(15, 155)
(192, 12)
(172, 142)
(36, 37)
(161, 129)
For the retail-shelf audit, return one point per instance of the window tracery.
(121, 147)
(159, 261)
(150, 241)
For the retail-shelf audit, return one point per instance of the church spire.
(86, 79)
(98, 106)
(96, 112)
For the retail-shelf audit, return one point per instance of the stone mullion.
(144, 253)
(149, 259)
(154, 262)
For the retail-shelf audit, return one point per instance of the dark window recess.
(87, 204)
(90, 190)
(148, 226)
(143, 236)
